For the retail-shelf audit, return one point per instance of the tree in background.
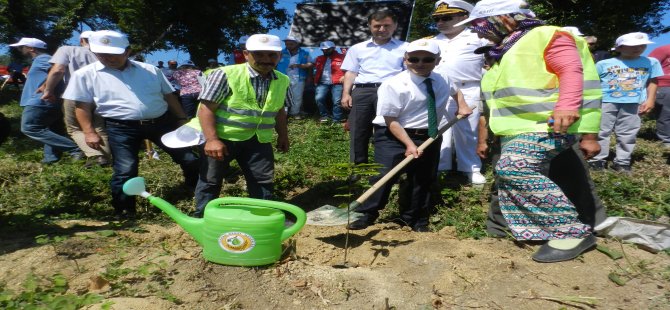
(203, 28)
(605, 19)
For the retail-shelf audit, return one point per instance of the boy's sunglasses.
(446, 18)
(425, 60)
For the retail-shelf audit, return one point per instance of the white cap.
(108, 42)
(30, 42)
(212, 60)
(486, 8)
(423, 45)
(263, 42)
(291, 38)
(184, 136)
(451, 6)
(633, 39)
(86, 34)
(243, 40)
(326, 45)
(574, 30)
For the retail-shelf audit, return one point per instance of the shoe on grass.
(597, 165)
(476, 177)
(625, 169)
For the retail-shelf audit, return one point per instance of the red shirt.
(335, 63)
(663, 55)
(238, 56)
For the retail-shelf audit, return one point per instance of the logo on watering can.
(236, 242)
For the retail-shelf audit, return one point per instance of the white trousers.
(462, 137)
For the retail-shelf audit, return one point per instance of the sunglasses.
(446, 18)
(425, 60)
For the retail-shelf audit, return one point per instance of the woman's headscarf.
(493, 26)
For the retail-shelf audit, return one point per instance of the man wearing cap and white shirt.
(409, 107)
(295, 63)
(463, 68)
(40, 116)
(65, 62)
(134, 99)
(328, 78)
(629, 83)
(239, 107)
(367, 65)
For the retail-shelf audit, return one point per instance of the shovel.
(362, 198)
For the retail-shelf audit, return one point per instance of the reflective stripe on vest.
(239, 117)
(522, 94)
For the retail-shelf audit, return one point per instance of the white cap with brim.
(263, 42)
(633, 39)
(184, 136)
(443, 7)
(291, 38)
(86, 34)
(30, 42)
(108, 42)
(487, 8)
(326, 45)
(423, 45)
(574, 30)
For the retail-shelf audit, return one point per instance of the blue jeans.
(321, 97)
(125, 141)
(256, 160)
(189, 103)
(39, 123)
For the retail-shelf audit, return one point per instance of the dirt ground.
(151, 266)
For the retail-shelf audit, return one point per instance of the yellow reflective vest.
(239, 116)
(521, 94)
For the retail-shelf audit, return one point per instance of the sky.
(289, 5)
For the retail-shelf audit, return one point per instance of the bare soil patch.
(149, 266)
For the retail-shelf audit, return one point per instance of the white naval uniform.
(464, 69)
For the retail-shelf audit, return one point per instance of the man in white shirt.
(408, 111)
(65, 62)
(464, 69)
(367, 65)
(134, 99)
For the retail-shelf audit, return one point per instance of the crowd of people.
(532, 89)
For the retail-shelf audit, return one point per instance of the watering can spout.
(193, 226)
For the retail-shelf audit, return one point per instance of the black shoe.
(625, 169)
(77, 156)
(547, 254)
(597, 165)
(421, 228)
(361, 223)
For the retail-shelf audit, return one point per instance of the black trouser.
(363, 111)
(570, 172)
(421, 173)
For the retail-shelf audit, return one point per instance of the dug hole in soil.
(161, 267)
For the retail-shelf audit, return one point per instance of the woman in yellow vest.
(542, 90)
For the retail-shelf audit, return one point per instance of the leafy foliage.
(45, 293)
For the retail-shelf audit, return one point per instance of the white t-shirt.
(134, 93)
(405, 96)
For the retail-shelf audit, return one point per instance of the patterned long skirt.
(534, 207)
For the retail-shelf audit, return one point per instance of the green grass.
(310, 175)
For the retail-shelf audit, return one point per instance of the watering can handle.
(300, 215)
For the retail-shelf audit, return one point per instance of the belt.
(140, 122)
(416, 132)
(368, 85)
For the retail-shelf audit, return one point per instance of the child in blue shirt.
(629, 88)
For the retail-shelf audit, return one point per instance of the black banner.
(344, 23)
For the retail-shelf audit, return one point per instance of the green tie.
(432, 115)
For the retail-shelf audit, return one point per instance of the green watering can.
(234, 231)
